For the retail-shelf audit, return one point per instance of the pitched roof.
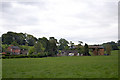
(101, 47)
(14, 47)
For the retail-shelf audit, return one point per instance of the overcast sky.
(90, 21)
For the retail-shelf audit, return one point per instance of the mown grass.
(62, 67)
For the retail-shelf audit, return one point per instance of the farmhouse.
(97, 50)
(14, 50)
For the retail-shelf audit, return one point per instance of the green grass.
(62, 67)
(0, 68)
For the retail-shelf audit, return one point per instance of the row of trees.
(41, 46)
(111, 46)
(114, 46)
(44, 46)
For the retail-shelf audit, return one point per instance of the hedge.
(22, 56)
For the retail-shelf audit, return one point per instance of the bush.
(39, 55)
(31, 50)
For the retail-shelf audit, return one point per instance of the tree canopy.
(19, 38)
(63, 44)
(114, 46)
(49, 46)
(86, 50)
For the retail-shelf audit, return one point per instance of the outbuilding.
(97, 50)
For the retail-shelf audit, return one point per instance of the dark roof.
(14, 47)
(70, 51)
(101, 47)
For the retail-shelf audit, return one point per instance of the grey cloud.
(40, 3)
(5, 6)
(94, 16)
(16, 16)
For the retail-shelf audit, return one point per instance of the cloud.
(90, 21)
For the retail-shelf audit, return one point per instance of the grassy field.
(0, 67)
(62, 67)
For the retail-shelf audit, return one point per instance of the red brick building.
(14, 50)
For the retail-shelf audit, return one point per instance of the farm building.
(97, 50)
(68, 53)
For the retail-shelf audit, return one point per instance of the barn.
(97, 50)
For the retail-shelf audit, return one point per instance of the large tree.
(86, 50)
(30, 40)
(52, 46)
(71, 45)
(45, 43)
(8, 38)
(80, 43)
(108, 49)
(20, 38)
(80, 48)
(39, 47)
(63, 44)
(118, 42)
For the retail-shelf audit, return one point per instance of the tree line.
(44, 46)
(41, 46)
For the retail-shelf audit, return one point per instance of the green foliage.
(25, 47)
(14, 56)
(19, 38)
(14, 43)
(52, 46)
(86, 50)
(45, 43)
(80, 43)
(118, 42)
(71, 45)
(108, 49)
(31, 50)
(39, 47)
(114, 46)
(80, 49)
(4, 47)
(63, 44)
(41, 54)
(30, 40)
(66, 48)
(7, 38)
